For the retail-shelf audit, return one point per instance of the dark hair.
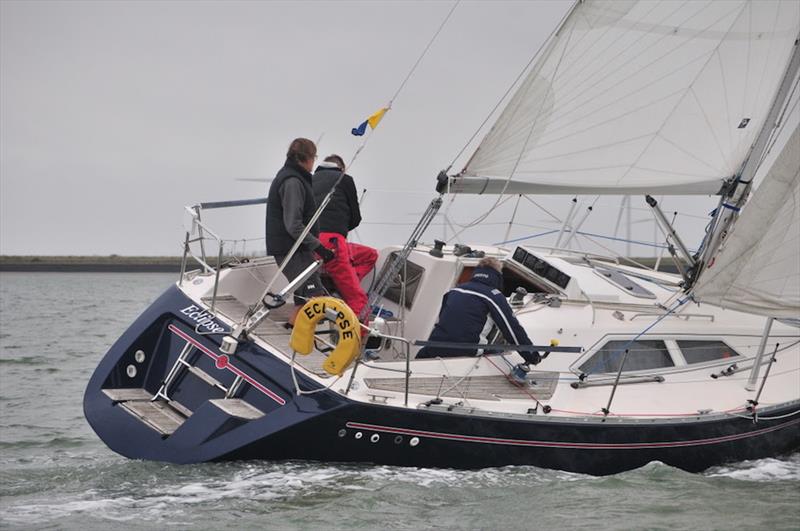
(336, 159)
(301, 150)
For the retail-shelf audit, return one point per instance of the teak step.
(158, 415)
(236, 407)
(203, 375)
(125, 394)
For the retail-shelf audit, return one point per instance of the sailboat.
(695, 369)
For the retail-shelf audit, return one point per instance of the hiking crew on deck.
(290, 206)
(352, 261)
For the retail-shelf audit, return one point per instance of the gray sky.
(114, 115)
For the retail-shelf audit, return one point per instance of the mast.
(737, 195)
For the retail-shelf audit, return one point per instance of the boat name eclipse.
(203, 318)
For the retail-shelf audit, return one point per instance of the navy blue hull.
(326, 426)
(379, 434)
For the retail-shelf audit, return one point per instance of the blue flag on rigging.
(373, 122)
(360, 130)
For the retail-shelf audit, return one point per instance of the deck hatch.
(623, 282)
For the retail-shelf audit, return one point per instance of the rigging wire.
(514, 83)
(498, 202)
(406, 79)
(353, 159)
(425, 51)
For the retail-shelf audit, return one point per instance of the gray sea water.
(56, 474)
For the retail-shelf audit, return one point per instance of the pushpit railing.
(203, 232)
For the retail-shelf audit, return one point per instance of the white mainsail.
(758, 269)
(633, 97)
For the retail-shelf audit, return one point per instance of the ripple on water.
(23, 360)
(54, 472)
(762, 470)
(304, 495)
(53, 443)
(247, 485)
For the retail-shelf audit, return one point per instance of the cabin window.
(702, 351)
(410, 276)
(643, 355)
(541, 268)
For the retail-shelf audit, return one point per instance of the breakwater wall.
(99, 264)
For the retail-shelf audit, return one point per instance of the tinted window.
(643, 355)
(541, 268)
(700, 351)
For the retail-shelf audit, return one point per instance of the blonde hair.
(492, 262)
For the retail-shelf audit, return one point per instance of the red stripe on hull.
(226, 366)
(573, 445)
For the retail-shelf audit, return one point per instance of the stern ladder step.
(236, 407)
(203, 375)
(159, 415)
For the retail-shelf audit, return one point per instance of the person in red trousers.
(352, 261)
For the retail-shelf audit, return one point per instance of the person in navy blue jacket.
(465, 309)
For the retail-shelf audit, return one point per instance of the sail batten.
(631, 94)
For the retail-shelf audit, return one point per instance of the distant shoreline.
(91, 264)
(145, 264)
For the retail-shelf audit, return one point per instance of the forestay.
(636, 97)
(758, 269)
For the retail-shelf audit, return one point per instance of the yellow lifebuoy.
(349, 345)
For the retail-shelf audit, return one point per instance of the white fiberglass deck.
(590, 311)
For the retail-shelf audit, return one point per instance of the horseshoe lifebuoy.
(349, 345)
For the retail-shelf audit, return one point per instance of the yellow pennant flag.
(375, 119)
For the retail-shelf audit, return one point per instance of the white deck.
(592, 311)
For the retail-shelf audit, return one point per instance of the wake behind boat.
(693, 370)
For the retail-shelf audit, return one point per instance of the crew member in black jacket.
(290, 206)
(465, 309)
(353, 261)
